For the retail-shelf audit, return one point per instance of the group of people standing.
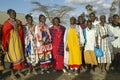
(61, 47)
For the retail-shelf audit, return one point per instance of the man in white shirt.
(115, 29)
(93, 19)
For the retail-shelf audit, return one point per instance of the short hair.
(92, 13)
(115, 15)
(103, 15)
(80, 17)
(89, 21)
(41, 15)
(10, 10)
(74, 19)
(27, 16)
(57, 19)
(110, 17)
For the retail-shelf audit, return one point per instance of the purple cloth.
(82, 25)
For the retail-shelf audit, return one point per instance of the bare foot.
(34, 72)
(21, 75)
(13, 77)
(27, 74)
(64, 70)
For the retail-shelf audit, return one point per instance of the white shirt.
(95, 23)
(116, 32)
(80, 33)
(90, 38)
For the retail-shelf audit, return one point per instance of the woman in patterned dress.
(13, 41)
(57, 36)
(31, 55)
(44, 45)
(103, 43)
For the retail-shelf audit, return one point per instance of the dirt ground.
(81, 76)
(59, 75)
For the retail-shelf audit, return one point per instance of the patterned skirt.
(44, 54)
(15, 51)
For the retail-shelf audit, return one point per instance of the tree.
(89, 9)
(112, 9)
(52, 11)
(115, 4)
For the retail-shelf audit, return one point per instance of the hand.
(81, 48)
(50, 40)
(67, 49)
(104, 36)
(97, 46)
(15, 29)
(29, 58)
(116, 37)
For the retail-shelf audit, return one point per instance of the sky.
(25, 6)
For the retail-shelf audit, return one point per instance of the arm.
(111, 34)
(107, 34)
(65, 40)
(7, 27)
(96, 36)
(82, 40)
(96, 39)
(48, 31)
(38, 35)
(20, 28)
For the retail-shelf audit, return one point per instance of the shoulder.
(62, 27)
(51, 27)
(96, 22)
(6, 21)
(78, 28)
(36, 25)
(18, 21)
(98, 26)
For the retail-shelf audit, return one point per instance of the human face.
(72, 21)
(80, 19)
(12, 14)
(43, 19)
(92, 17)
(56, 22)
(103, 18)
(110, 20)
(89, 25)
(29, 20)
(116, 19)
